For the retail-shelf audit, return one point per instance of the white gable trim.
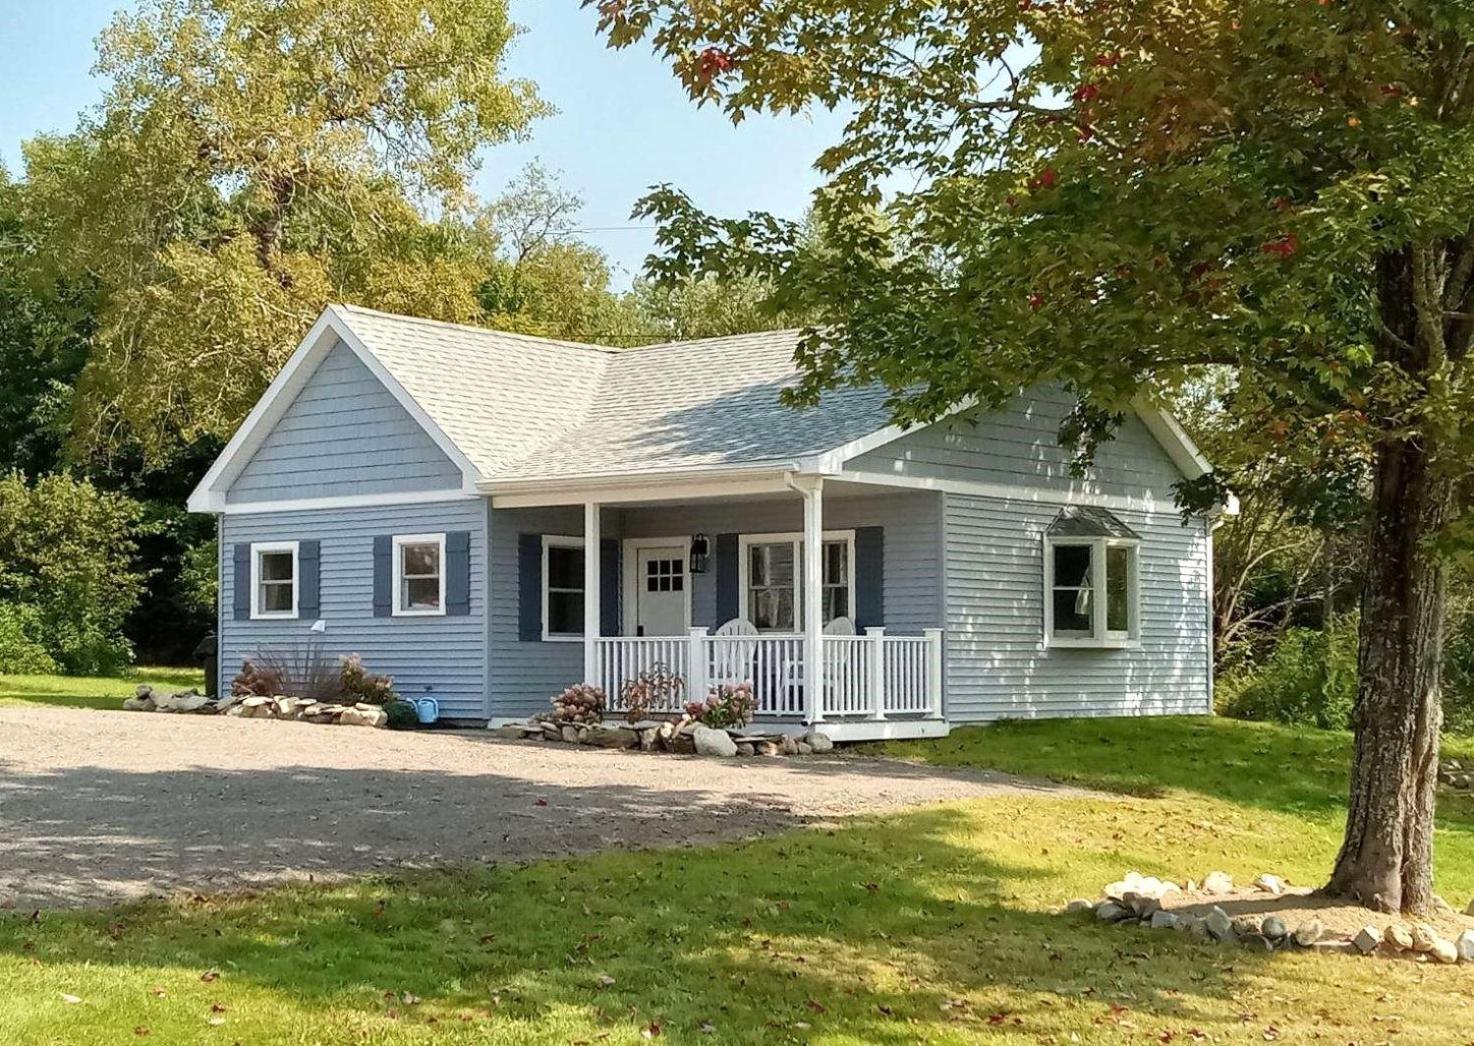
(330, 328)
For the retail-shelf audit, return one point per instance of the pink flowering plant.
(580, 703)
(726, 705)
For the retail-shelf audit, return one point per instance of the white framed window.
(419, 575)
(563, 593)
(770, 583)
(274, 574)
(1091, 581)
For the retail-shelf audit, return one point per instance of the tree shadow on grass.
(887, 930)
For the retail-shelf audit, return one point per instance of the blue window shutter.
(869, 577)
(458, 573)
(309, 591)
(530, 588)
(609, 579)
(384, 576)
(728, 602)
(241, 597)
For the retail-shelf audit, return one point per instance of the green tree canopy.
(252, 160)
(1113, 195)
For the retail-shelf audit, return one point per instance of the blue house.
(492, 517)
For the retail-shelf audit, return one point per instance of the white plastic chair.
(731, 662)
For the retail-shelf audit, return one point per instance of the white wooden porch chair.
(731, 661)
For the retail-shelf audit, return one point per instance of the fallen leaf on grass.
(606, 981)
(141, 1031)
(651, 1030)
(70, 1000)
(209, 975)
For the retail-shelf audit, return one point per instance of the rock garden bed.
(717, 726)
(1272, 915)
(146, 699)
(1456, 775)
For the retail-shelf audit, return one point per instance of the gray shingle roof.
(523, 408)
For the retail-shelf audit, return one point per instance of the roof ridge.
(715, 337)
(471, 328)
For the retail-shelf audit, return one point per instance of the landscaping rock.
(681, 743)
(1366, 940)
(1218, 925)
(769, 748)
(745, 748)
(1143, 906)
(1465, 946)
(1111, 912)
(138, 704)
(1270, 884)
(1079, 906)
(1307, 934)
(1469, 910)
(1398, 936)
(788, 745)
(1245, 926)
(1274, 928)
(714, 742)
(1424, 937)
(1443, 951)
(820, 743)
(804, 748)
(603, 735)
(649, 739)
(569, 734)
(1163, 920)
(511, 732)
(1218, 883)
(251, 707)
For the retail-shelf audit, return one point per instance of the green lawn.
(926, 926)
(92, 692)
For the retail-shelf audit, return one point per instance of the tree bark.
(1386, 859)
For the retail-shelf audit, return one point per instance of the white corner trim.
(399, 542)
(413, 497)
(259, 549)
(210, 494)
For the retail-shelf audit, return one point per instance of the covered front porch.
(823, 596)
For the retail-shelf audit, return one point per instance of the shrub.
(67, 549)
(359, 684)
(402, 715)
(21, 650)
(657, 688)
(725, 706)
(254, 681)
(1309, 679)
(580, 703)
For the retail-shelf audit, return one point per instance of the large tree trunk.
(1386, 860)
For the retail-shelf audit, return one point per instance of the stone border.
(684, 736)
(1137, 900)
(146, 699)
(1452, 773)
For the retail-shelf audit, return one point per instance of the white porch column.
(591, 601)
(813, 597)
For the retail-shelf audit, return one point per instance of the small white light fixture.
(319, 626)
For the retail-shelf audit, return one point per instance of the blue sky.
(623, 123)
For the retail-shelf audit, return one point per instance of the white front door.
(660, 591)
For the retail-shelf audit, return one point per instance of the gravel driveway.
(97, 807)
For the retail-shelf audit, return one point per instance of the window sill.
(276, 617)
(439, 612)
(1093, 644)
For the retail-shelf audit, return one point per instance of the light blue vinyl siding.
(344, 434)
(996, 663)
(525, 674)
(440, 657)
(1019, 445)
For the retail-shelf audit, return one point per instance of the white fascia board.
(1011, 491)
(210, 494)
(646, 487)
(1174, 440)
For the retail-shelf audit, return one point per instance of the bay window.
(1091, 580)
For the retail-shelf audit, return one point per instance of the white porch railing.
(869, 677)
